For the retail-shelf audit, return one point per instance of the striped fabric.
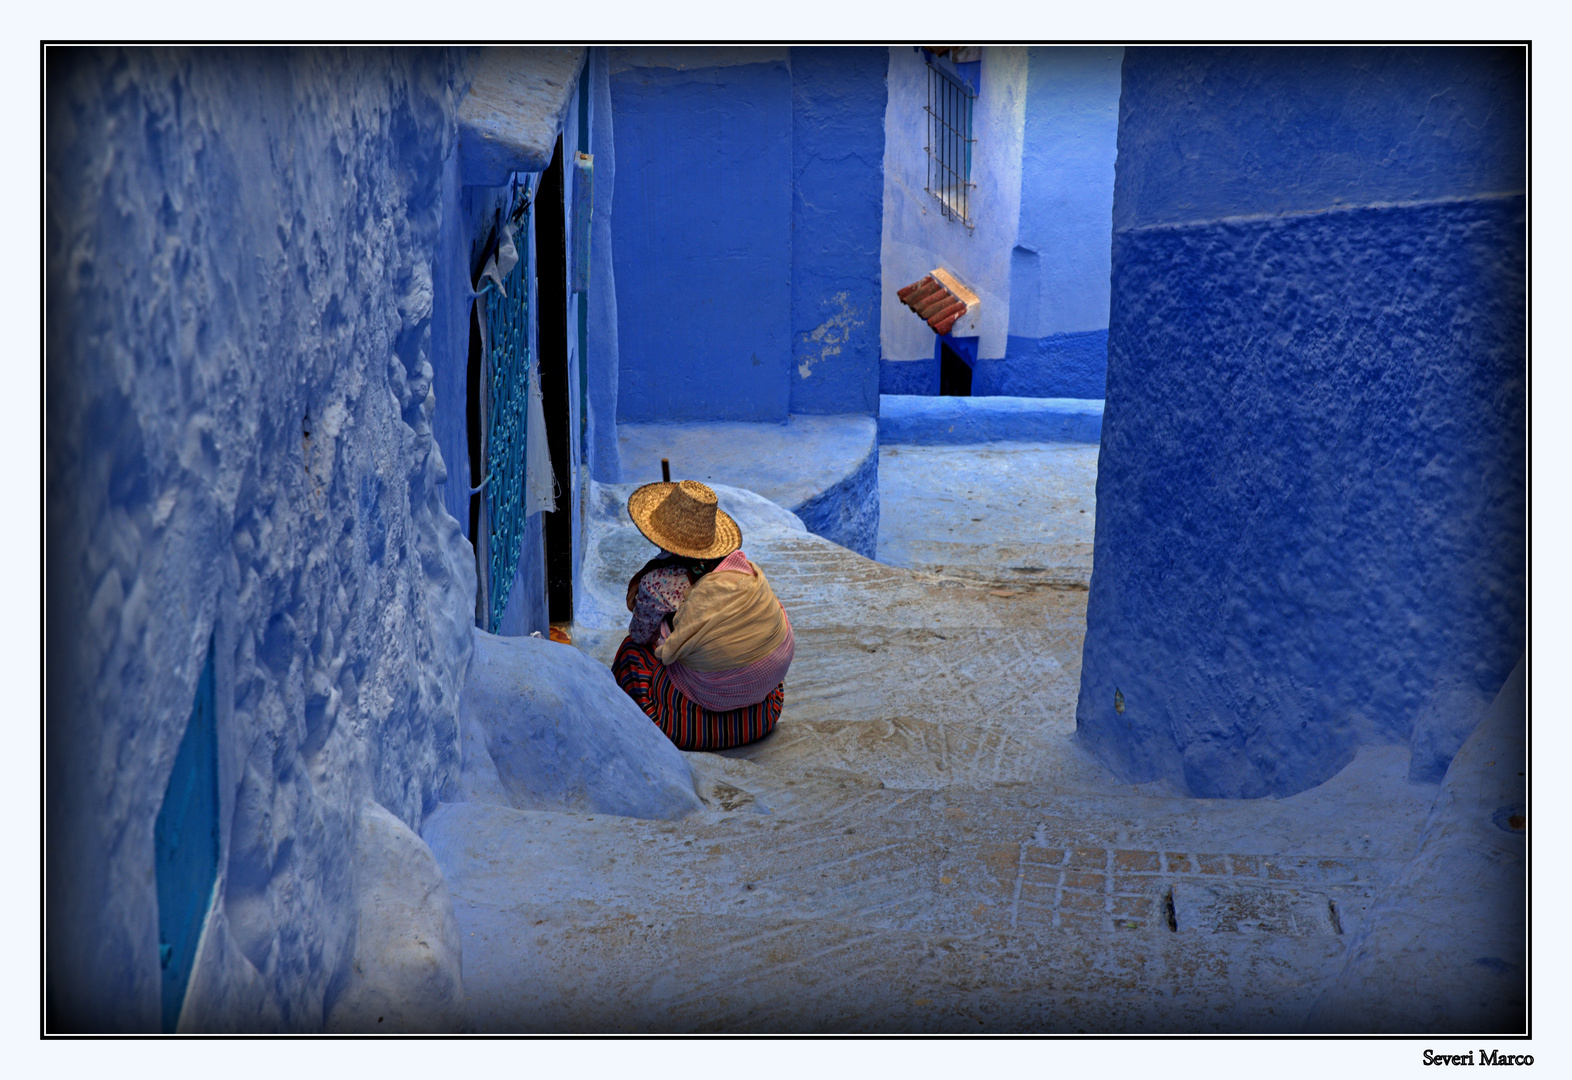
(689, 725)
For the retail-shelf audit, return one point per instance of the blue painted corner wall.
(838, 102)
(1310, 494)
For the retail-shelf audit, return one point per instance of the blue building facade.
(1044, 124)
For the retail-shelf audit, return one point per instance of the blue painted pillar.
(1310, 495)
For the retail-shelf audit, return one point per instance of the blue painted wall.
(1059, 266)
(1068, 365)
(1310, 491)
(838, 103)
(1270, 131)
(701, 235)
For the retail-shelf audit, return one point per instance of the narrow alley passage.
(920, 845)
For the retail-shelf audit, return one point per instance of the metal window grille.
(506, 425)
(950, 143)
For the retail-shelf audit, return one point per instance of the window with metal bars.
(950, 142)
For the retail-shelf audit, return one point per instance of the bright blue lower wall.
(1310, 494)
(931, 420)
(1057, 366)
(701, 235)
(1071, 365)
(838, 102)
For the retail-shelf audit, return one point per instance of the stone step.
(916, 419)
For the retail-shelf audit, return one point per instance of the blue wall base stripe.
(1058, 366)
(918, 377)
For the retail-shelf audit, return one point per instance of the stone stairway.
(920, 846)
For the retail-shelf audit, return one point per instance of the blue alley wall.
(701, 235)
(838, 100)
(243, 472)
(469, 215)
(746, 231)
(1058, 343)
(1310, 492)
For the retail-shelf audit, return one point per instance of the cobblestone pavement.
(920, 846)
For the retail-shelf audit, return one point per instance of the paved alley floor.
(921, 845)
(1006, 511)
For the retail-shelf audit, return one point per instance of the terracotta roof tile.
(939, 300)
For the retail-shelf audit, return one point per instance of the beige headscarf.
(728, 620)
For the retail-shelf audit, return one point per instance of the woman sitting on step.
(709, 643)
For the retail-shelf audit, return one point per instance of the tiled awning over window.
(940, 301)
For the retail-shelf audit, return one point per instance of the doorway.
(552, 283)
(955, 374)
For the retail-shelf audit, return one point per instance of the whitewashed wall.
(917, 237)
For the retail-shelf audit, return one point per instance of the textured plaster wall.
(241, 260)
(1311, 483)
(701, 233)
(838, 105)
(1271, 131)
(916, 236)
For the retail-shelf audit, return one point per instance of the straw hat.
(683, 519)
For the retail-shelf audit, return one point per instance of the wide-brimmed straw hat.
(683, 518)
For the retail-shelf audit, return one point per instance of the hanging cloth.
(540, 484)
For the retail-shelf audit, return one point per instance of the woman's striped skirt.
(690, 725)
